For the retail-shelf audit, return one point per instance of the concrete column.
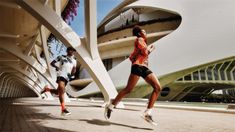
(90, 28)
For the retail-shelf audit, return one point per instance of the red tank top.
(140, 54)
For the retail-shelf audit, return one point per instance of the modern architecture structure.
(194, 40)
(194, 53)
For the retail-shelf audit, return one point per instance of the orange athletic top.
(140, 54)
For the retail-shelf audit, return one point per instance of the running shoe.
(149, 119)
(65, 112)
(45, 90)
(107, 112)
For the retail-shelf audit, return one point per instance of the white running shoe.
(149, 119)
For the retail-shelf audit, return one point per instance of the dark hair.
(70, 48)
(136, 31)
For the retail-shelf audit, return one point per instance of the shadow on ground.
(108, 123)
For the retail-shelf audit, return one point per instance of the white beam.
(233, 70)
(13, 49)
(90, 27)
(4, 84)
(31, 45)
(225, 70)
(25, 81)
(25, 73)
(45, 49)
(219, 71)
(65, 34)
(213, 74)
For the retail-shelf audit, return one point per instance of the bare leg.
(153, 81)
(61, 91)
(54, 91)
(133, 79)
(47, 89)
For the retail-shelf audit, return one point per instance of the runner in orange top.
(140, 53)
(139, 68)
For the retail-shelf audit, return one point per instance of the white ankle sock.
(111, 106)
(148, 111)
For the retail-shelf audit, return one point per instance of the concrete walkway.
(36, 115)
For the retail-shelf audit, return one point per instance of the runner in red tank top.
(140, 53)
(139, 68)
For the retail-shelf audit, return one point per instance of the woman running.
(139, 68)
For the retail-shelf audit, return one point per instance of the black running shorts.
(59, 78)
(140, 70)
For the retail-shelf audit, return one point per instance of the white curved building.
(196, 57)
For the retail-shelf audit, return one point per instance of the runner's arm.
(142, 46)
(74, 68)
(150, 48)
(53, 63)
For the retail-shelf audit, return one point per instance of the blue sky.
(103, 8)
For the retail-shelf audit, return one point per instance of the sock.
(148, 111)
(62, 106)
(111, 106)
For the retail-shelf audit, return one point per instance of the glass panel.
(209, 73)
(202, 74)
(188, 77)
(195, 75)
(228, 75)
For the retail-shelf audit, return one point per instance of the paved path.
(36, 115)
